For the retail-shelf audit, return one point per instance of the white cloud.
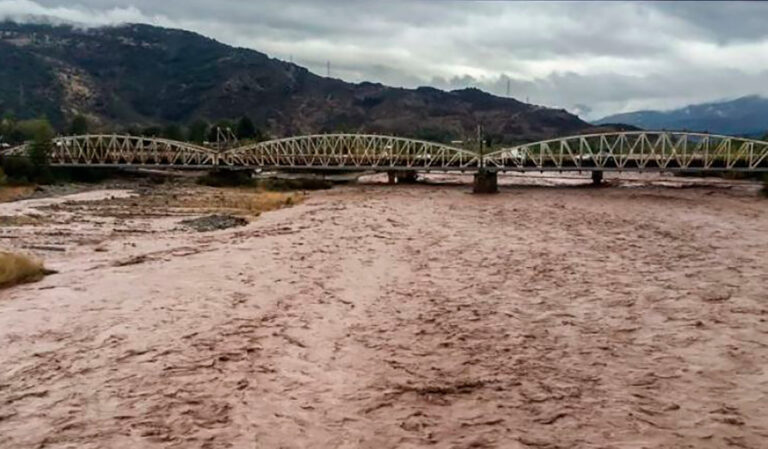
(593, 57)
(27, 10)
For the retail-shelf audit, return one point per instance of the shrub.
(39, 153)
(18, 268)
(83, 174)
(226, 179)
(13, 193)
(18, 170)
(282, 185)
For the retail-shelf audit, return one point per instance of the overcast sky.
(592, 58)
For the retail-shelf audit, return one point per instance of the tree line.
(15, 132)
(39, 134)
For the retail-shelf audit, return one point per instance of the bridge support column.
(486, 182)
(391, 177)
(597, 177)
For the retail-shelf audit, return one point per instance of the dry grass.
(18, 220)
(197, 200)
(248, 201)
(13, 193)
(19, 268)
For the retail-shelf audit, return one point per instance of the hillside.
(743, 116)
(139, 75)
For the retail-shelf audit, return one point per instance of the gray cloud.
(593, 58)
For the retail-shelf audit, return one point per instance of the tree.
(29, 129)
(198, 131)
(245, 129)
(7, 127)
(39, 150)
(151, 131)
(133, 130)
(173, 132)
(79, 126)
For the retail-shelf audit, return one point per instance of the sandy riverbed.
(379, 316)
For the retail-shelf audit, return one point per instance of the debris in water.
(214, 222)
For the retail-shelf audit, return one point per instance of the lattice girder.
(637, 151)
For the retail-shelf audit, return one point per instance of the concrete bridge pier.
(597, 177)
(486, 181)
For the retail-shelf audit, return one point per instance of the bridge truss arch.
(123, 150)
(351, 152)
(634, 151)
(617, 151)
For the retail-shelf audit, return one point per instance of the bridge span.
(639, 151)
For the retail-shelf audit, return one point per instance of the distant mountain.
(746, 116)
(140, 75)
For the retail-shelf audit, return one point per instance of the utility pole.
(328, 69)
(480, 143)
(507, 87)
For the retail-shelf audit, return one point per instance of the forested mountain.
(140, 75)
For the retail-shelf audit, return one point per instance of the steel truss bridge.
(616, 151)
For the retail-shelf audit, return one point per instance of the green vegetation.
(83, 174)
(284, 185)
(227, 178)
(173, 132)
(198, 130)
(15, 132)
(39, 150)
(79, 126)
(35, 167)
(10, 133)
(17, 170)
(139, 75)
(245, 129)
(434, 135)
(28, 84)
(152, 131)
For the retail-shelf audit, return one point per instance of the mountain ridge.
(744, 116)
(137, 74)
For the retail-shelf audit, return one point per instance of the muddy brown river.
(550, 316)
